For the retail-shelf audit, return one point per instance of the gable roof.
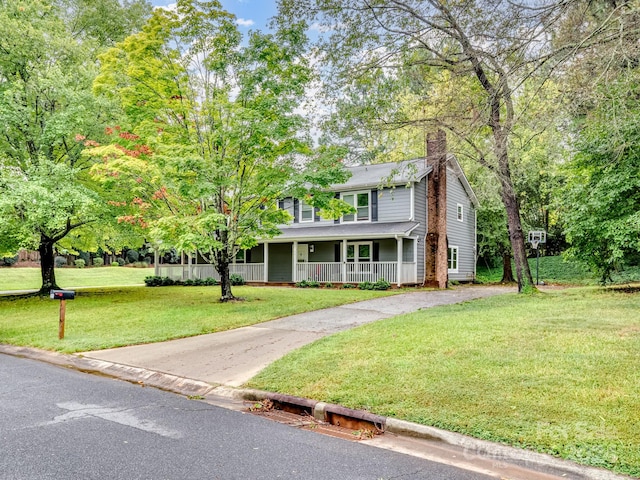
(392, 173)
(400, 173)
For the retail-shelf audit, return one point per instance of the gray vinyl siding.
(394, 204)
(461, 234)
(280, 262)
(421, 217)
(323, 252)
(257, 254)
(388, 250)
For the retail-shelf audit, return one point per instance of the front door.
(359, 256)
(303, 252)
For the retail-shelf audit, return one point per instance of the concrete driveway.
(234, 356)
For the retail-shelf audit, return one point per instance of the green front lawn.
(28, 278)
(112, 317)
(555, 372)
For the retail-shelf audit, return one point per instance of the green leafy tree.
(602, 201)
(214, 139)
(46, 111)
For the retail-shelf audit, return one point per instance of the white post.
(344, 261)
(189, 266)
(399, 272)
(295, 261)
(266, 262)
(156, 262)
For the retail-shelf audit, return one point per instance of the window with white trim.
(460, 212)
(452, 259)
(306, 212)
(361, 202)
(241, 256)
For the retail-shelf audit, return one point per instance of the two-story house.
(384, 238)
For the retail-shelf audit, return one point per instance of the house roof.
(399, 173)
(346, 231)
(393, 173)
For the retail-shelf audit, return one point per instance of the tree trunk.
(222, 259)
(507, 270)
(47, 264)
(523, 273)
(225, 282)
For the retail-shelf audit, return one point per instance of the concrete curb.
(334, 414)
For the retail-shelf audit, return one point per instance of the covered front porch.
(365, 254)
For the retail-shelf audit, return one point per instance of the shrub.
(365, 286)
(60, 261)
(120, 261)
(302, 284)
(349, 285)
(147, 260)
(152, 281)
(8, 261)
(139, 265)
(98, 262)
(236, 279)
(79, 263)
(86, 257)
(381, 284)
(115, 264)
(328, 285)
(212, 281)
(132, 256)
(308, 284)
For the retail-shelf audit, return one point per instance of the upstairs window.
(460, 212)
(306, 212)
(361, 202)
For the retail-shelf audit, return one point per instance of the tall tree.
(46, 109)
(602, 201)
(470, 61)
(215, 139)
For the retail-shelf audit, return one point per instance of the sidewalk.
(231, 358)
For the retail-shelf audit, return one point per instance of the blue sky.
(251, 14)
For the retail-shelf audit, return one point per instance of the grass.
(557, 271)
(28, 278)
(112, 317)
(555, 372)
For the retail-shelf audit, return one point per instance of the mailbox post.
(63, 296)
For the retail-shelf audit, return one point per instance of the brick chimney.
(436, 265)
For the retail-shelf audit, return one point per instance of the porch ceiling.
(346, 231)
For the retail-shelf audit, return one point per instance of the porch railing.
(372, 272)
(322, 272)
(251, 272)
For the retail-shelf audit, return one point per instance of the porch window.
(360, 201)
(359, 252)
(306, 212)
(240, 256)
(452, 259)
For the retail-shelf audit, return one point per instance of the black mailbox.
(62, 294)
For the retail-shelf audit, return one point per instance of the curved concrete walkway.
(234, 356)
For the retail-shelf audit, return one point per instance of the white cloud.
(243, 22)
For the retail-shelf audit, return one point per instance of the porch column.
(295, 261)
(344, 261)
(266, 262)
(399, 272)
(189, 266)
